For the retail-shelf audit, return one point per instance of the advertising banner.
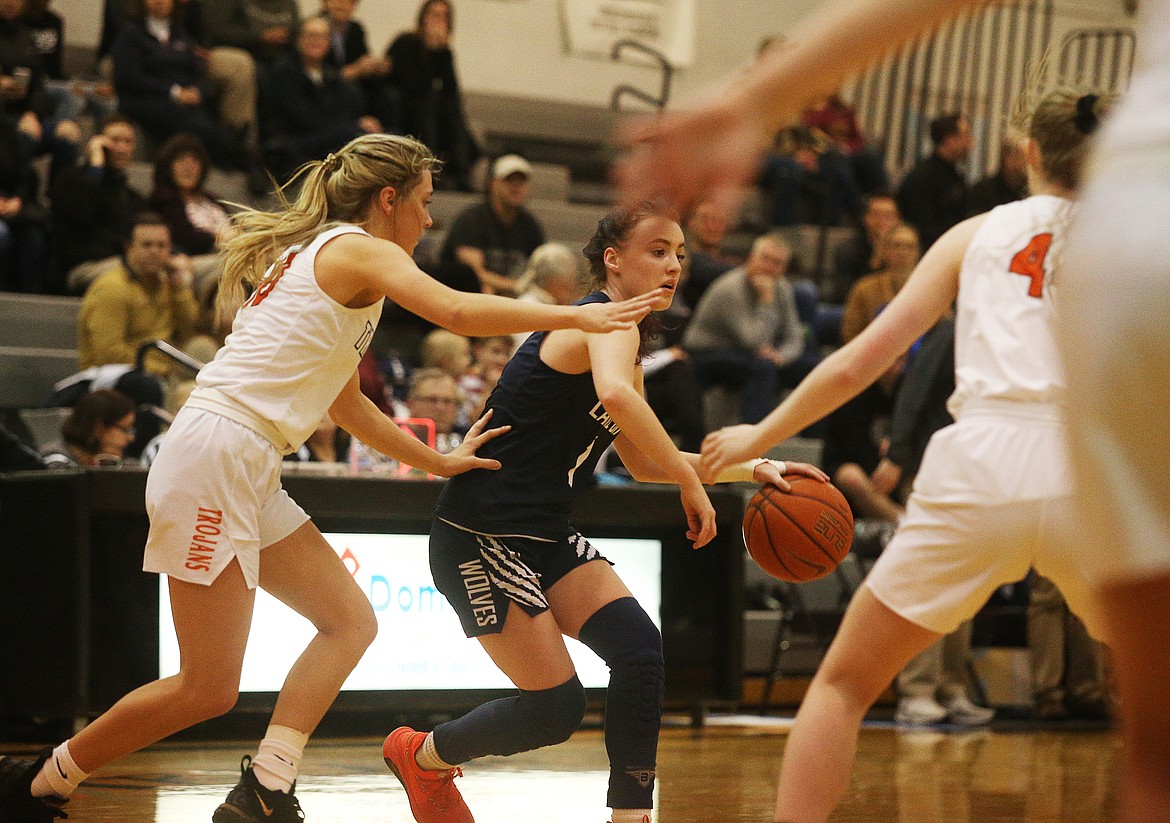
(420, 644)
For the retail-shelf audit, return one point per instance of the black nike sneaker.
(17, 805)
(249, 802)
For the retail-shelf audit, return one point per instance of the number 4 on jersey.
(1029, 262)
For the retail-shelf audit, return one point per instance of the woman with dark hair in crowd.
(196, 218)
(97, 431)
(198, 221)
(422, 69)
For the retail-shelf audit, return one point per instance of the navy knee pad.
(624, 636)
(510, 725)
(550, 716)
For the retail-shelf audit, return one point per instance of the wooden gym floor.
(719, 774)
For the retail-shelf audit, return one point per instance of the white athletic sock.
(59, 775)
(278, 758)
(427, 758)
(631, 816)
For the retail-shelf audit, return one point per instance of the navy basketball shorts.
(482, 574)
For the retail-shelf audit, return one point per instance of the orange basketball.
(799, 535)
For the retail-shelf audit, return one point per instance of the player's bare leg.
(871, 647)
(212, 624)
(304, 573)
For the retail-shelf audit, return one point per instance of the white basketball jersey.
(291, 350)
(1005, 342)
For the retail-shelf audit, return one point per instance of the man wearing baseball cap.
(489, 243)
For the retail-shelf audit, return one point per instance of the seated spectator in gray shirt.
(745, 333)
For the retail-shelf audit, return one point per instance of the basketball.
(800, 535)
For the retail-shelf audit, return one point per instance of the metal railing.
(626, 90)
(977, 64)
(170, 352)
(1098, 58)
(980, 64)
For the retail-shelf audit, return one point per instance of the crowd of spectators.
(254, 85)
(250, 86)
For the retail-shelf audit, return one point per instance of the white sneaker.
(919, 711)
(960, 710)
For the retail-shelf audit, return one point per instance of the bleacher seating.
(576, 136)
(38, 320)
(38, 346)
(27, 374)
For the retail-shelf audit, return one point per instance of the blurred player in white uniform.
(1115, 292)
(221, 524)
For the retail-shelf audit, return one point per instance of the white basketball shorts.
(213, 493)
(988, 504)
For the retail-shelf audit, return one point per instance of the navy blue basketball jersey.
(559, 430)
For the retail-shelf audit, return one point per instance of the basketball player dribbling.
(220, 523)
(1114, 339)
(520, 576)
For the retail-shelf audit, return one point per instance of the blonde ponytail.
(336, 190)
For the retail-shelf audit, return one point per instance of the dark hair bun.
(1086, 119)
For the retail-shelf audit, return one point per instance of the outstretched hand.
(711, 151)
(599, 318)
(463, 458)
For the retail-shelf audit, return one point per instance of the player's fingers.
(728, 198)
(771, 474)
(694, 528)
(706, 530)
(638, 307)
(712, 460)
(484, 463)
(696, 538)
(490, 434)
(714, 455)
(806, 470)
(712, 529)
(633, 131)
(478, 425)
(647, 169)
(711, 441)
(614, 324)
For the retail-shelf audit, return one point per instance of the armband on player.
(745, 472)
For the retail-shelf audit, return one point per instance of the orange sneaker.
(432, 794)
